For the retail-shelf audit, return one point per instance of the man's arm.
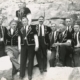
(19, 43)
(36, 42)
(67, 43)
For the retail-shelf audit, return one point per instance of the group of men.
(30, 40)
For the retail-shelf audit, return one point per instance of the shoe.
(12, 78)
(41, 71)
(45, 70)
(20, 78)
(30, 77)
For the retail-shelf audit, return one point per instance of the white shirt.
(12, 31)
(78, 43)
(26, 30)
(54, 35)
(68, 27)
(42, 27)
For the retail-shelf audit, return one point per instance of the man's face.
(68, 22)
(41, 20)
(53, 27)
(24, 5)
(76, 28)
(25, 22)
(61, 27)
(20, 5)
(0, 19)
(13, 25)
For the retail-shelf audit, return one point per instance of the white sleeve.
(29, 18)
(36, 40)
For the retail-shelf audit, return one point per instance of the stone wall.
(51, 9)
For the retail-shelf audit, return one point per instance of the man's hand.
(19, 49)
(56, 44)
(77, 46)
(36, 48)
(1, 39)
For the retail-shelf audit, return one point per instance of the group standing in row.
(23, 41)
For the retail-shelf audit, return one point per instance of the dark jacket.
(26, 11)
(11, 40)
(29, 36)
(68, 36)
(47, 31)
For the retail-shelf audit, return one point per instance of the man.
(44, 43)
(29, 44)
(56, 38)
(52, 41)
(66, 45)
(12, 49)
(76, 43)
(69, 26)
(2, 44)
(23, 12)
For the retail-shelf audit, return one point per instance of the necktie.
(52, 39)
(24, 31)
(40, 31)
(76, 38)
(60, 37)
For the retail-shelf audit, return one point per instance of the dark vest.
(11, 40)
(47, 31)
(59, 37)
(29, 35)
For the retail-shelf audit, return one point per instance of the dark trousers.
(52, 57)
(42, 54)
(27, 52)
(15, 66)
(77, 57)
(65, 55)
(2, 49)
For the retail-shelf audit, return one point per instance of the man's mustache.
(40, 21)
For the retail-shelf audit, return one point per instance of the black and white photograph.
(39, 39)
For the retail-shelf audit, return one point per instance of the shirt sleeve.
(19, 32)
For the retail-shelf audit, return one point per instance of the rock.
(3, 78)
(51, 9)
(75, 75)
(5, 63)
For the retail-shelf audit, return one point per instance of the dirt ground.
(57, 73)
